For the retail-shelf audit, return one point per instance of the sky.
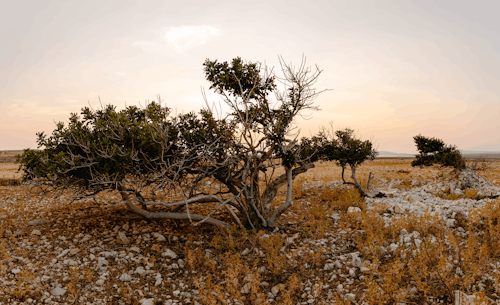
(396, 69)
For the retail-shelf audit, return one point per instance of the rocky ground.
(53, 252)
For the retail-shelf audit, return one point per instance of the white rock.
(245, 252)
(160, 237)
(122, 239)
(86, 238)
(158, 281)
(135, 249)
(414, 198)
(246, 288)
(353, 210)
(63, 253)
(180, 262)
(169, 253)
(275, 290)
(176, 293)
(125, 277)
(36, 232)
(364, 269)
(147, 301)
(140, 270)
(393, 247)
(99, 282)
(398, 209)
(15, 271)
(58, 291)
(37, 222)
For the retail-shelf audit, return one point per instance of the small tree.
(142, 153)
(435, 151)
(347, 150)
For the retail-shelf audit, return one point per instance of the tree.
(347, 150)
(435, 151)
(146, 154)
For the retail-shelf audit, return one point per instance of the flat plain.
(430, 236)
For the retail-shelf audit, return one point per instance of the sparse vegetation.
(435, 151)
(287, 230)
(413, 258)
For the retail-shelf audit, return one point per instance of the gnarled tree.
(435, 151)
(146, 154)
(347, 150)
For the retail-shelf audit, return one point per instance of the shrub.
(347, 150)
(435, 151)
(138, 152)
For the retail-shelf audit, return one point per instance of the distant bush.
(347, 150)
(435, 151)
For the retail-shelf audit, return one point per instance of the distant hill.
(383, 153)
(465, 153)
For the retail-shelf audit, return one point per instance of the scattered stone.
(159, 280)
(140, 270)
(99, 282)
(353, 210)
(125, 277)
(37, 222)
(122, 239)
(414, 198)
(159, 237)
(36, 232)
(169, 253)
(147, 301)
(63, 253)
(245, 252)
(58, 291)
(135, 249)
(74, 251)
(275, 290)
(86, 238)
(246, 288)
(15, 271)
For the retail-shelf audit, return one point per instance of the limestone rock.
(169, 254)
(246, 288)
(37, 222)
(147, 301)
(125, 277)
(58, 291)
(353, 210)
(135, 249)
(122, 239)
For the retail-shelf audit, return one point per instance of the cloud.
(186, 37)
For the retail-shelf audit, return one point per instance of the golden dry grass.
(431, 268)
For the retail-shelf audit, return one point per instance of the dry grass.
(465, 258)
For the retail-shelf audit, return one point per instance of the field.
(431, 236)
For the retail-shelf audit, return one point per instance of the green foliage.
(435, 151)
(103, 147)
(238, 79)
(346, 149)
